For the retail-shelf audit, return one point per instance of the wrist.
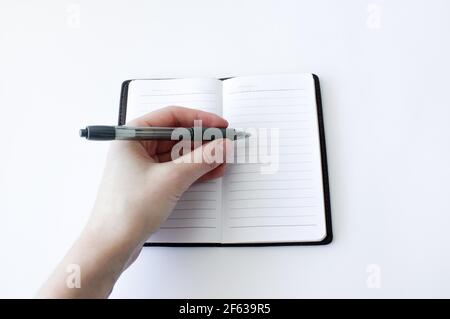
(89, 270)
(109, 243)
(100, 262)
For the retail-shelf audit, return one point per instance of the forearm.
(90, 268)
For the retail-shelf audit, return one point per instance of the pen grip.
(211, 133)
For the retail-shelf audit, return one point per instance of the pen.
(108, 133)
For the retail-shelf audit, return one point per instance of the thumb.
(205, 158)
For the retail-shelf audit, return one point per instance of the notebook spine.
(123, 102)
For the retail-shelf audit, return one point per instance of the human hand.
(140, 187)
(141, 184)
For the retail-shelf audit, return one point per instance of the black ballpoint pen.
(108, 133)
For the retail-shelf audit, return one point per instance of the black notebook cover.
(326, 189)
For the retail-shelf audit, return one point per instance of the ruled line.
(186, 218)
(154, 108)
(272, 180)
(268, 198)
(267, 207)
(282, 225)
(196, 200)
(271, 121)
(156, 102)
(200, 191)
(254, 146)
(267, 113)
(266, 106)
(271, 216)
(254, 91)
(281, 161)
(268, 189)
(194, 214)
(271, 97)
(172, 94)
(185, 209)
(184, 227)
(259, 171)
(277, 106)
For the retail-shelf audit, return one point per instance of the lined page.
(197, 216)
(288, 204)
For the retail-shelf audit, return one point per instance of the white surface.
(384, 72)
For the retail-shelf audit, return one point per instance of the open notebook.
(289, 205)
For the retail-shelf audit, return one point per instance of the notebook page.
(286, 204)
(197, 216)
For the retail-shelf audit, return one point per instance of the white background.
(384, 69)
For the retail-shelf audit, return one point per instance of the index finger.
(179, 117)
